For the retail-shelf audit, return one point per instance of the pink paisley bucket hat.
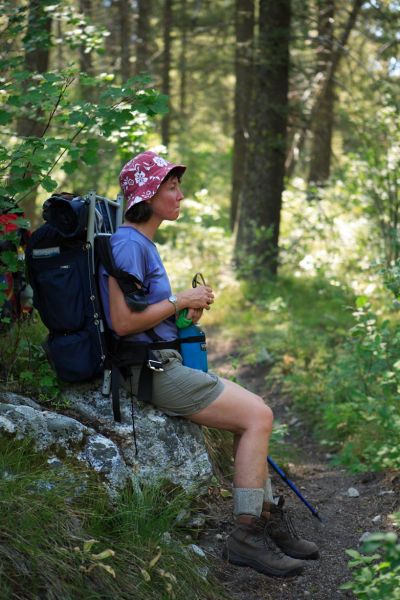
(141, 177)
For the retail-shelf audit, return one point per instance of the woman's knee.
(263, 418)
(258, 417)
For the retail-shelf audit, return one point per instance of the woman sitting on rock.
(261, 538)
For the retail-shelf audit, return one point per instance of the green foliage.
(376, 569)
(24, 367)
(61, 517)
(80, 124)
(365, 375)
(47, 128)
(371, 171)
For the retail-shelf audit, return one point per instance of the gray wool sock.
(248, 501)
(268, 495)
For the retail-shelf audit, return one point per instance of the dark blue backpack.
(62, 259)
(60, 271)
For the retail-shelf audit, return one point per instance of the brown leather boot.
(281, 529)
(249, 545)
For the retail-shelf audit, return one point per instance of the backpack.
(63, 258)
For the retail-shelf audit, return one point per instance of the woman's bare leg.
(250, 419)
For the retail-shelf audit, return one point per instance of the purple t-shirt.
(135, 253)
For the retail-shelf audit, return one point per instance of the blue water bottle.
(193, 347)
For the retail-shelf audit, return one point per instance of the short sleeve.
(131, 257)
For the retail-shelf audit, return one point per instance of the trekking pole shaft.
(284, 477)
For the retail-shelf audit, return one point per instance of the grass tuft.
(62, 538)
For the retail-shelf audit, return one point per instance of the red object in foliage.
(8, 223)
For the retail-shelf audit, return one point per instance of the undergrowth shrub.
(62, 537)
(361, 410)
(376, 569)
(23, 367)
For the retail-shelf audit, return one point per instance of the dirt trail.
(345, 518)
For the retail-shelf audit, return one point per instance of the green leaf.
(361, 301)
(47, 381)
(5, 117)
(49, 184)
(89, 156)
(26, 376)
(10, 259)
(70, 167)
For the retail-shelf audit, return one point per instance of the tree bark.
(183, 20)
(166, 66)
(244, 30)
(125, 32)
(37, 46)
(85, 58)
(143, 49)
(261, 197)
(318, 87)
(321, 146)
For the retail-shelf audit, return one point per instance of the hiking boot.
(281, 529)
(249, 545)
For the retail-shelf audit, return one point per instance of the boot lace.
(286, 523)
(262, 528)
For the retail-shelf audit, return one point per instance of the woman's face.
(166, 202)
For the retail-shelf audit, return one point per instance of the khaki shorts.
(178, 390)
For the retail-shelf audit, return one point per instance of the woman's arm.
(124, 321)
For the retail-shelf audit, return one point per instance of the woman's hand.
(199, 297)
(194, 314)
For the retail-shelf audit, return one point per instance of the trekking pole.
(284, 477)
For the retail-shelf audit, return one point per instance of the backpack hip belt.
(125, 354)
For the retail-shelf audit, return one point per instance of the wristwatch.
(174, 300)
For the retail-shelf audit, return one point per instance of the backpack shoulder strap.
(133, 289)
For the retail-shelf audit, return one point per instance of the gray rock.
(17, 400)
(54, 462)
(102, 455)
(168, 447)
(171, 449)
(352, 492)
(196, 550)
(46, 428)
(377, 519)
(197, 521)
(203, 572)
(182, 517)
(364, 537)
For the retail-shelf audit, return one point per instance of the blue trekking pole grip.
(284, 477)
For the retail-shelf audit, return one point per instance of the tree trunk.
(183, 20)
(85, 58)
(143, 50)
(321, 150)
(125, 32)
(244, 29)
(166, 121)
(261, 196)
(37, 43)
(318, 87)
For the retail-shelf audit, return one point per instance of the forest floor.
(345, 518)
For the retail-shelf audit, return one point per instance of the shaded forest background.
(286, 113)
(258, 93)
